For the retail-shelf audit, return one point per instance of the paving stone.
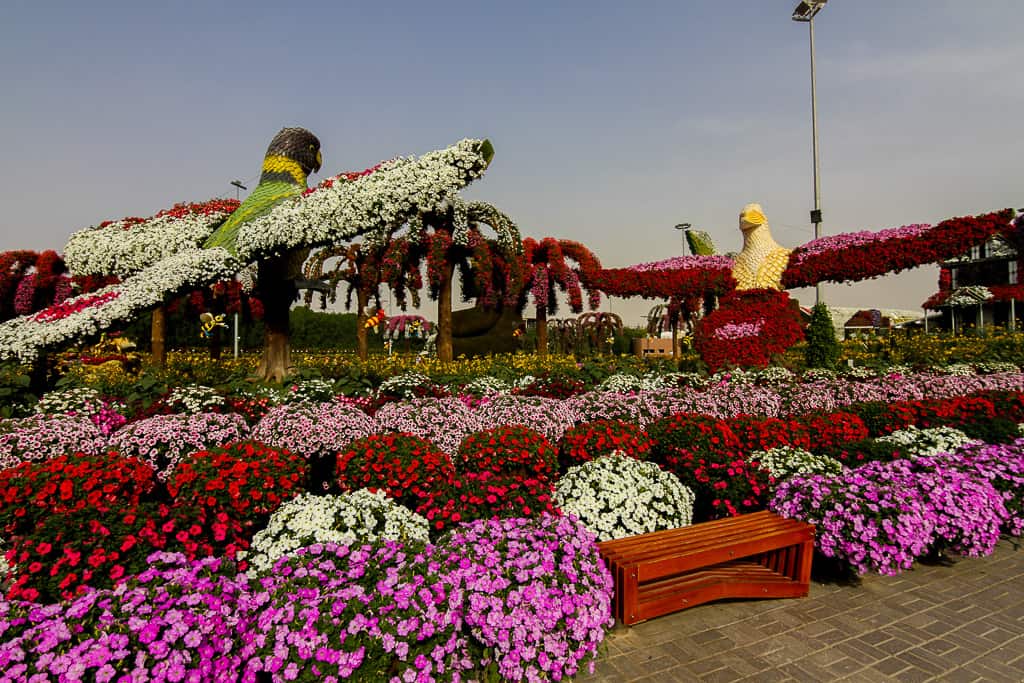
(959, 623)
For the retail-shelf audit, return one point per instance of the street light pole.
(805, 12)
(682, 228)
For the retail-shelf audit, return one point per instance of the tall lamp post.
(238, 186)
(805, 12)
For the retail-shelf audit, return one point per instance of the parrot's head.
(299, 145)
(751, 217)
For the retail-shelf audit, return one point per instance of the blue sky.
(612, 121)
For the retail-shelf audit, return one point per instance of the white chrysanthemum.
(358, 517)
(774, 374)
(616, 496)
(995, 367)
(80, 400)
(915, 443)
(786, 461)
(818, 374)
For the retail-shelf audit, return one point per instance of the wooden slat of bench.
(672, 560)
(732, 580)
(710, 529)
(694, 536)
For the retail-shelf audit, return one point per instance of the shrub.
(551, 386)
(410, 470)
(535, 592)
(41, 437)
(32, 491)
(748, 329)
(163, 440)
(192, 399)
(857, 453)
(1003, 466)
(348, 519)
(993, 430)
(511, 449)
(592, 440)
(616, 496)
(83, 401)
(246, 479)
(822, 350)
(410, 385)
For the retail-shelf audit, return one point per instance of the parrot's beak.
(319, 161)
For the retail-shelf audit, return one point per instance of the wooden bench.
(758, 555)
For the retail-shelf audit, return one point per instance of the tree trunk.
(277, 291)
(362, 345)
(39, 374)
(675, 340)
(444, 314)
(158, 337)
(542, 331)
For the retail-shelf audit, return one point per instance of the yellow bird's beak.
(319, 161)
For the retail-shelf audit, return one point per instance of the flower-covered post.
(545, 267)
(358, 267)
(601, 328)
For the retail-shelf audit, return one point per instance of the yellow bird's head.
(752, 217)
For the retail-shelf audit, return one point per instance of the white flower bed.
(915, 443)
(345, 519)
(403, 385)
(616, 496)
(485, 385)
(786, 461)
(78, 401)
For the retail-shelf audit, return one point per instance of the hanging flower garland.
(545, 269)
(861, 255)
(748, 329)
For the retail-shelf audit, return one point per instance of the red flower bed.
(248, 480)
(859, 256)
(706, 456)
(827, 430)
(32, 491)
(601, 437)
(407, 468)
(488, 495)
(757, 433)
(69, 552)
(748, 329)
(508, 450)
(552, 386)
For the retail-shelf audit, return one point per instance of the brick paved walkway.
(944, 622)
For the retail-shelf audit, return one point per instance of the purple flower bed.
(882, 516)
(526, 599)
(549, 416)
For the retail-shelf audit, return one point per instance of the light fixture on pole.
(682, 228)
(805, 12)
(238, 186)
